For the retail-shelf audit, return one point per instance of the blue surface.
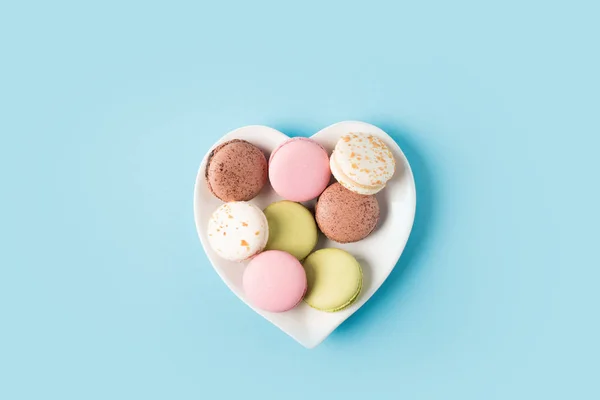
(107, 109)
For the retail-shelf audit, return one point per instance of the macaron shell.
(274, 281)
(344, 216)
(236, 171)
(299, 169)
(364, 160)
(348, 183)
(292, 228)
(334, 279)
(350, 302)
(237, 231)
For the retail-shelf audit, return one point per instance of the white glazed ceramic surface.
(377, 254)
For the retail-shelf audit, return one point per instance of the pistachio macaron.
(292, 228)
(334, 279)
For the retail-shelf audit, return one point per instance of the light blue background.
(108, 108)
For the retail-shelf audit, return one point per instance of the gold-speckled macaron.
(362, 163)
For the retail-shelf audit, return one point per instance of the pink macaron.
(274, 281)
(299, 169)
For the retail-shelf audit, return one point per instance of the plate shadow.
(425, 218)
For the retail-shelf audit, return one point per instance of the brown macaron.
(236, 171)
(344, 216)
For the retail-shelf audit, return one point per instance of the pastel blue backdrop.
(108, 107)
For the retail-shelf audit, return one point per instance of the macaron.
(292, 228)
(334, 279)
(274, 281)
(238, 230)
(362, 163)
(236, 170)
(344, 216)
(299, 169)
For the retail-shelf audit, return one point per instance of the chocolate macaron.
(236, 170)
(344, 216)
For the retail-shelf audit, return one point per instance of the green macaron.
(292, 228)
(334, 279)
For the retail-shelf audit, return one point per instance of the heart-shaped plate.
(377, 254)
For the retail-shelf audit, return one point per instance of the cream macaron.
(238, 230)
(362, 163)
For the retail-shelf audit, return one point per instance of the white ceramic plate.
(377, 254)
